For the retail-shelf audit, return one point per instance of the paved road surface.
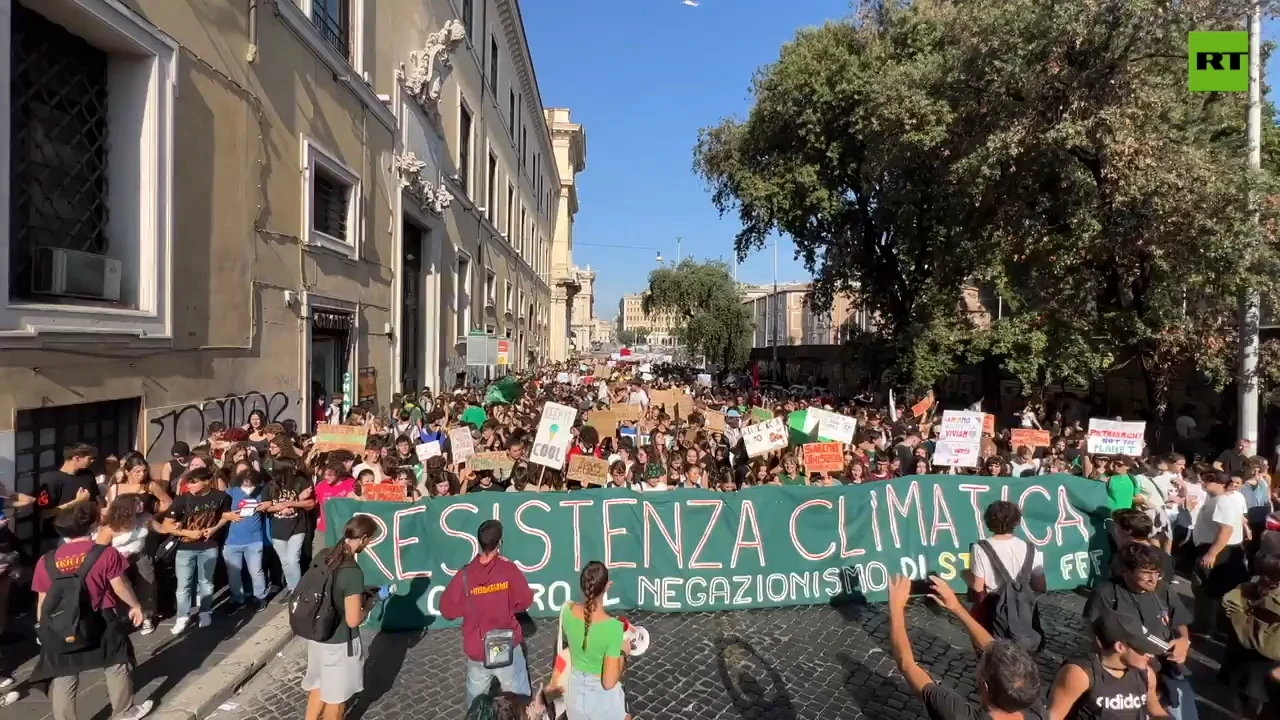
(813, 662)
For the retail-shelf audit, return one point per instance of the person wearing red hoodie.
(488, 593)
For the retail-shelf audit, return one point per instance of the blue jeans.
(1181, 692)
(195, 566)
(239, 557)
(290, 554)
(514, 677)
(586, 699)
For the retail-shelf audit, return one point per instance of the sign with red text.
(765, 437)
(1028, 437)
(1116, 437)
(824, 457)
(950, 453)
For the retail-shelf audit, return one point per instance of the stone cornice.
(513, 27)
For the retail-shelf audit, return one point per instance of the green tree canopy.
(711, 318)
(1048, 151)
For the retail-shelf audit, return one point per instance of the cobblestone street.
(812, 662)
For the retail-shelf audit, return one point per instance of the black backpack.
(1015, 613)
(69, 623)
(313, 611)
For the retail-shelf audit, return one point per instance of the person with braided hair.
(597, 648)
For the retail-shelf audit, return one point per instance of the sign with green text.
(697, 550)
(1218, 61)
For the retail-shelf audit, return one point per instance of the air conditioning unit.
(71, 273)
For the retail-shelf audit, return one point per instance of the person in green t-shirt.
(1121, 488)
(597, 649)
(789, 472)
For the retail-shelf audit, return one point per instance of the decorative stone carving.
(428, 68)
(433, 197)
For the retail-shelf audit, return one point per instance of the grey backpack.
(1015, 614)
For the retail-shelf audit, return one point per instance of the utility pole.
(679, 257)
(1249, 307)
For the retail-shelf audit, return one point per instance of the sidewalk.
(187, 675)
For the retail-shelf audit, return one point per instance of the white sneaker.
(6, 681)
(10, 698)
(137, 712)
(180, 625)
(148, 626)
(206, 619)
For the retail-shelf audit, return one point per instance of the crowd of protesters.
(251, 500)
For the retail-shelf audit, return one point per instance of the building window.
(508, 296)
(524, 227)
(464, 147)
(511, 212)
(490, 330)
(521, 305)
(463, 289)
(468, 11)
(333, 19)
(511, 111)
(88, 134)
(58, 171)
(490, 289)
(491, 197)
(493, 64)
(331, 199)
(524, 146)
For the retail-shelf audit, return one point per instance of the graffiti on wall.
(190, 422)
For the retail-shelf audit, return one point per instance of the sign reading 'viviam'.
(696, 550)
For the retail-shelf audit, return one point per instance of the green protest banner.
(695, 550)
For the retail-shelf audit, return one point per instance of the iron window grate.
(330, 198)
(333, 19)
(58, 144)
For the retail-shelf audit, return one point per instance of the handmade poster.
(428, 450)
(955, 453)
(919, 409)
(499, 461)
(765, 437)
(1116, 437)
(588, 470)
(461, 444)
(760, 413)
(551, 444)
(1028, 437)
(824, 457)
(715, 420)
(962, 425)
(836, 427)
(385, 492)
(341, 437)
(989, 424)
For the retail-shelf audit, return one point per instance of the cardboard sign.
(1116, 437)
(765, 437)
(824, 457)
(952, 453)
(551, 444)
(922, 407)
(588, 470)
(1026, 437)
(715, 420)
(499, 461)
(341, 437)
(428, 450)
(461, 444)
(385, 492)
(989, 424)
(837, 428)
(763, 414)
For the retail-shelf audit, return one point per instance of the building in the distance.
(605, 331)
(657, 329)
(569, 140)
(582, 326)
(779, 314)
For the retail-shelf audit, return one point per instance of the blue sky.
(643, 76)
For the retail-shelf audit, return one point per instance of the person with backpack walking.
(85, 608)
(1006, 578)
(327, 610)
(488, 593)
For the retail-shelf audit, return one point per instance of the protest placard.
(385, 492)
(765, 437)
(962, 425)
(763, 414)
(552, 441)
(1028, 437)
(341, 437)
(953, 453)
(499, 461)
(428, 450)
(588, 470)
(1116, 437)
(836, 427)
(715, 420)
(461, 444)
(989, 424)
(824, 457)
(919, 409)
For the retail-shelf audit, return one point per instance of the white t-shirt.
(646, 487)
(1012, 552)
(1225, 509)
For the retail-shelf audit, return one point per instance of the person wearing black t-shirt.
(198, 517)
(1008, 680)
(288, 498)
(71, 483)
(1115, 680)
(1233, 461)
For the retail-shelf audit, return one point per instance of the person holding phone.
(246, 539)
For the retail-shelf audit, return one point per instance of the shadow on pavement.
(752, 681)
